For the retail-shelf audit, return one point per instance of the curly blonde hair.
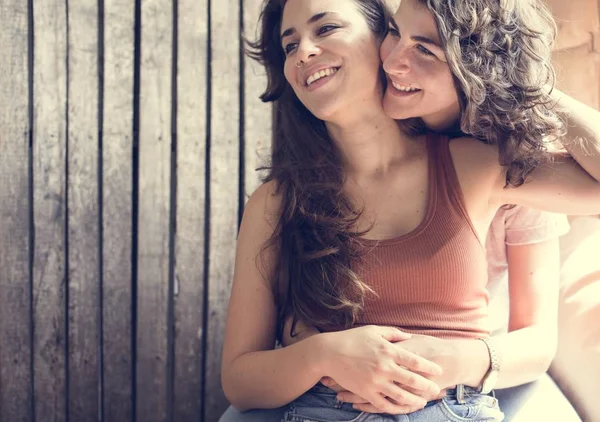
(499, 53)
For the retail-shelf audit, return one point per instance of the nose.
(307, 50)
(397, 62)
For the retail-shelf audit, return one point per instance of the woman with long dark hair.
(356, 210)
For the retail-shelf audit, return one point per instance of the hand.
(364, 406)
(365, 361)
(442, 352)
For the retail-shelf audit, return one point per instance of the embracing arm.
(528, 349)
(560, 186)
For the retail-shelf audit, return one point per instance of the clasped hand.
(419, 383)
(371, 367)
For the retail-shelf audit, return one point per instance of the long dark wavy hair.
(499, 52)
(315, 237)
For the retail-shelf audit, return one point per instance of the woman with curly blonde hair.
(364, 224)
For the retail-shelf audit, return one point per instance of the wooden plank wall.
(129, 135)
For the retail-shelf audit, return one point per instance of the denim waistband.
(328, 397)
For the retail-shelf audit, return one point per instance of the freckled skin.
(405, 62)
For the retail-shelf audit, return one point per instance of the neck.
(371, 143)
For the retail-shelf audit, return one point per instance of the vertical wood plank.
(578, 73)
(15, 352)
(189, 241)
(576, 22)
(224, 183)
(153, 223)
(117, 160)
(258, 116)
(82, 180)
(49, 209)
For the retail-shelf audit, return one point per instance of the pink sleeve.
(526, 226)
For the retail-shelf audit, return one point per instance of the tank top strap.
(450, 194)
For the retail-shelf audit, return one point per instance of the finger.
(416, 382)
(349, 397)
(330, 382)
(367, 408)
(380, 404)
(327, 381)
(393, 334)
(417, 363)
(426, 396)
(403, 397)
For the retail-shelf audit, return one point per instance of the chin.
(396, 112)
(322, 112)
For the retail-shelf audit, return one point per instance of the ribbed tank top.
(432, 280)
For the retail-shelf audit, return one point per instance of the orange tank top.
(432, 280)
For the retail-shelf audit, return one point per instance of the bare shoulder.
(479, 174)
(475, 159)
(471, 149)
(264, 205)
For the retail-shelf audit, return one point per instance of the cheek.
(288, 71)
(436, 75)
(448, 88)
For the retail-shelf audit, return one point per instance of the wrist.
(473, 362)
(320, 353)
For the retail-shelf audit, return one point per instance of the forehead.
(297, 12)
(414, 17)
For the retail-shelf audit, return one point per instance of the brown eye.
(325, 29)
(423, 50)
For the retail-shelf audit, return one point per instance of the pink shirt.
(517, 226)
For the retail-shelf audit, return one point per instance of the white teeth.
(404, 88)
(320, 74)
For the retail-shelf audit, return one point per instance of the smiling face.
(332, 58)
(420, 83)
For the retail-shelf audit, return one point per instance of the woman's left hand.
(442, 352)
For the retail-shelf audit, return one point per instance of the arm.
(528, 349)
(256, 376)
(566, 185)
(561, 186)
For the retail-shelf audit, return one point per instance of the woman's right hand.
(365, 361)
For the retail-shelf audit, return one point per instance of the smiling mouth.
(404, 88)
(320, 75)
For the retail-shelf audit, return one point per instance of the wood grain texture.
(117, 173)
(15, 348)
(258, 116)
(189, 240)
(224, 185)
(49, 209)
(153, 223)
(83, 237)
(578, 73)
(576, 22)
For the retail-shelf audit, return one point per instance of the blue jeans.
(320, 405)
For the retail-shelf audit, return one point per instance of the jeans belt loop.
(460, 394)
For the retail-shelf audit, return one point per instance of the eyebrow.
(425, 40)
(417, 38)
(313, 19)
